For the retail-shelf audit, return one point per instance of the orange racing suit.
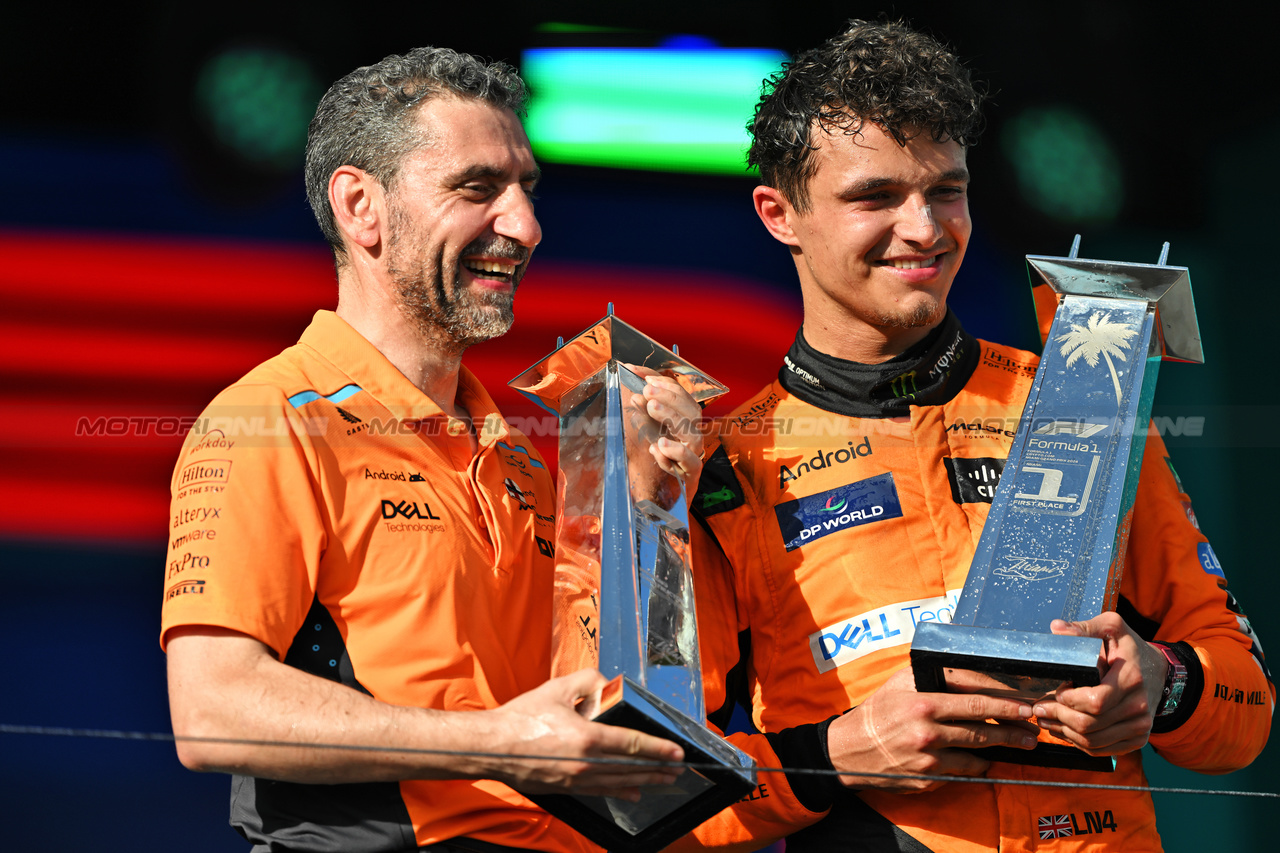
(800, 628)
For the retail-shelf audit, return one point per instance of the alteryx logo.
(882, 628)
(809, 519)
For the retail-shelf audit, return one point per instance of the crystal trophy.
(624, 592)
(1054, 543)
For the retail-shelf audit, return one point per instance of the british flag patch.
(1056, 826)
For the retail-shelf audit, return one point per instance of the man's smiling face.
(884, 234)
(462, 225)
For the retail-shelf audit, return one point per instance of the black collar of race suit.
(929, 374)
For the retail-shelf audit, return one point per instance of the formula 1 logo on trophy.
(1054, 543)
(624, 591)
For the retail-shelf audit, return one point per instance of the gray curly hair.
(366, 118)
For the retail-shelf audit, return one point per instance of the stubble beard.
(453, 315)
(927, 313)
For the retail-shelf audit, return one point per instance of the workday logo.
(809, 519)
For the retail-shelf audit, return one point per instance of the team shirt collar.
(349, 351)
(930, 373)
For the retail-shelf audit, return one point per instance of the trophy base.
(662, 815)
(1055, 755)
(949, 658)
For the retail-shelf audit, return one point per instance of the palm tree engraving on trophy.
(1099, 337)
(1054, 542)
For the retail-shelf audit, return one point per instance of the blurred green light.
(1066, 168)
(569, 27)
(682, 110)
(259, 101)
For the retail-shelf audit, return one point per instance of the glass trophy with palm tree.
(1053, 546)
(623, 583)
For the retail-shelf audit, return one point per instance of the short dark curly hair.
(904, 81)
(366, 118)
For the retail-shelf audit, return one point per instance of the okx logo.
(809, 519)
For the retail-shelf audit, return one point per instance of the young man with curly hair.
(861, 145)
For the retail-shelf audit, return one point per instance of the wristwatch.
(1174, 682)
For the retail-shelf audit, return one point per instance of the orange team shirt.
(326, 507)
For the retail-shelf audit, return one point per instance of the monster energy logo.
(904, 385)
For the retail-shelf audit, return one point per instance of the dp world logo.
(809, 519)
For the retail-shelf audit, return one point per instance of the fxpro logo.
(825, 459)
(187, 561)
(882, 628)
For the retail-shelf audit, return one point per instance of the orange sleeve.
(1174, 582)
(773, 809)
(246, 532)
